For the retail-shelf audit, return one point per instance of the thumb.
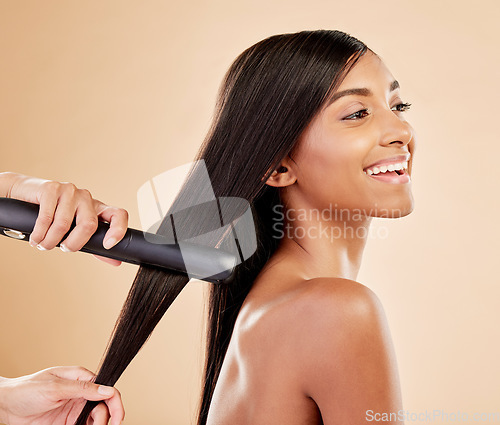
(85, 389)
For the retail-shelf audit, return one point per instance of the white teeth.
(385, 168)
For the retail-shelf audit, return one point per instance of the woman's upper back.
(306, 352)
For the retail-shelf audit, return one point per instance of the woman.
(310, 344)
(306, 123)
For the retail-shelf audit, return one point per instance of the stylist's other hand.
(59, 203)
(56, 396)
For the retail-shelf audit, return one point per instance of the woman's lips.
(391, 177)
(392, 160)
(390, 170)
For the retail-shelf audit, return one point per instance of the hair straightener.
(17, 220)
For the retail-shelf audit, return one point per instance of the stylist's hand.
(59, 204)
(56, 396)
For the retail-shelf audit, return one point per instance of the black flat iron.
(17, 220)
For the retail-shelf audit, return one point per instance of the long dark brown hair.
(268, 96)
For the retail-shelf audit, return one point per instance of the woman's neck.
(323, 246)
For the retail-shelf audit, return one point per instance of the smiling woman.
(356, 141)
(304, 121)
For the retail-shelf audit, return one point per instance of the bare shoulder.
(313, 309)
(334, 317)
(339, 303)
(333, 333)
(348, 364)
(339, 291)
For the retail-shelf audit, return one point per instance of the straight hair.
(268, 97)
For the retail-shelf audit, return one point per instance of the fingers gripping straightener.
(17, 220)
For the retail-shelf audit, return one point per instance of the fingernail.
(41, 248)
(63, 248)
(105, 390)
(32, 243)
(108, 243)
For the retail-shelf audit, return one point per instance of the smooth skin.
(56, 396)
(311, 345)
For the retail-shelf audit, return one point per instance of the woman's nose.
(396, 130)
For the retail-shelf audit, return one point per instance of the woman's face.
(364, 125)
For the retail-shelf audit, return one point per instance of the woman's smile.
(390, 170)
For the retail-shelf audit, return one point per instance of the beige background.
(109, 94)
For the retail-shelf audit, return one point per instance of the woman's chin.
(393, 207)
(396, 211)
(401, 213)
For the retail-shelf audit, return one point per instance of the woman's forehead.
(368, 71)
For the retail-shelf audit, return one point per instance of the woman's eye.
(357, 115)
(401, 107)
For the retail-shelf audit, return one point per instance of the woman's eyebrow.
(360, 92)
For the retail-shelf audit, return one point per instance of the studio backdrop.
(107, 95)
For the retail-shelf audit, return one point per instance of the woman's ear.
(283, 176)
